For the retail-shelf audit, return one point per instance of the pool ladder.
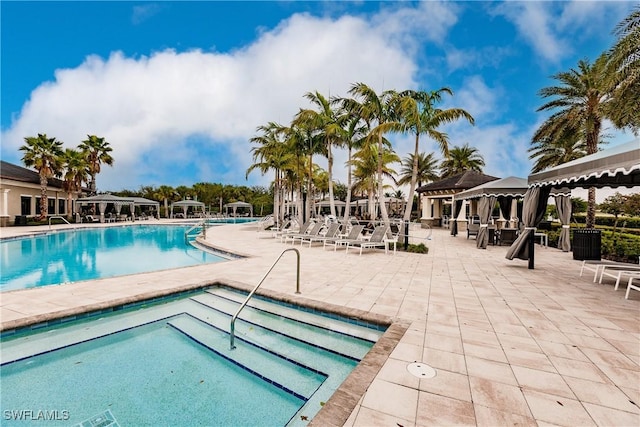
(232, 329)
(202, 223)
(57, 217)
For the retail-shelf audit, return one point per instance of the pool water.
(170, 364)
(94, 253)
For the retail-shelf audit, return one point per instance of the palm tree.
(625, 63)
(378, 109)
(552, 152)
(462, 159)
(327, 122)
(165, 193)
(44, 155)
(420, 116)
(272, 154)
(76, 171)
(97, 152)
(354, 131)
(580, 102)
(365, 163)
(427, 169)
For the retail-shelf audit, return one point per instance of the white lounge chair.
(312, 231)
(354, 235)
(630, 286)
(376, 240)
(331, 233)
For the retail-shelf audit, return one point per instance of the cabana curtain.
(563, 207)
(457, 205)
(534, 208)
(484, 212)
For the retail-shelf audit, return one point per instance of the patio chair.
(354, 235)
(291, 231)
(331, 233)
(472, 229)
(313, 231)
(377, 240)
(91, 218)
(507, 236)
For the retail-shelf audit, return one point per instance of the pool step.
(271, 322)
(286, 374)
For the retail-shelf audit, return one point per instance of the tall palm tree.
(98, 152)
(272, 154)
(328, 123)
(581, 101)
(379, 110)
(462, 159)
(353, 133)
(625, 63)
(427, 169)
(75, 172)
(419, 116)
(44, 155)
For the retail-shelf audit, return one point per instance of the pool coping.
(344, 400)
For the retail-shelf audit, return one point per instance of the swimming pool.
(93, 253)
(169, 363)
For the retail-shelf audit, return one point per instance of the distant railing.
(57, 217)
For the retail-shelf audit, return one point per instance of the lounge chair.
(290, 231)
(377, 240)
(313, 231)
(90, 218)
(353, 235)
(331, 233)
(630, 286)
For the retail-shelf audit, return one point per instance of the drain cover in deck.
(421, 370)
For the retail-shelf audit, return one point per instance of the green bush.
(418, 249)
(625, 247)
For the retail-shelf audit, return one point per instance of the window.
(61, 206)
(51, 206)
(25, 205)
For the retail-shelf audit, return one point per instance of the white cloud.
(149, 107)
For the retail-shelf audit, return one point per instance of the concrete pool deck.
(510, 345)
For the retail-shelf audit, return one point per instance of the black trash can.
(20, 220)
(587, 244)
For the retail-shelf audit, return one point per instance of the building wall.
(13, 192)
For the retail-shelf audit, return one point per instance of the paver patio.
(510, 345)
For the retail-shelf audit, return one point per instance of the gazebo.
(435, 195)
(141, 201)
(102, 200)
(323, 205)
(186, 204)
(235, 205)
(617, 166)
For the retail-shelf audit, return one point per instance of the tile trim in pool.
(134, 305)
(246, 368)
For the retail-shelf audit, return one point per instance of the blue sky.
(178, 88)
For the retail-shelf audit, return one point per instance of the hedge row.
(628, 222)
(622, 246)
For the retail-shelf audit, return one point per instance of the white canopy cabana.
(102, 200)
(326, 204)
(185, 204)
(235, 205)
(141, 201)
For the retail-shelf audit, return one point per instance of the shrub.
(418, 249)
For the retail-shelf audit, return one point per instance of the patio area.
(511, 346)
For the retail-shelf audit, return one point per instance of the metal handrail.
(57, 217)
(202, 223)
(232, 331)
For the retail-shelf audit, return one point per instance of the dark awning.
(617, 166)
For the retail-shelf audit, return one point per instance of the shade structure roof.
(323, 203)
(614, 167)
(141, 201)
(187, 203)
(238, 205)
(510, 186)
(456, 183)
(108, 198)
